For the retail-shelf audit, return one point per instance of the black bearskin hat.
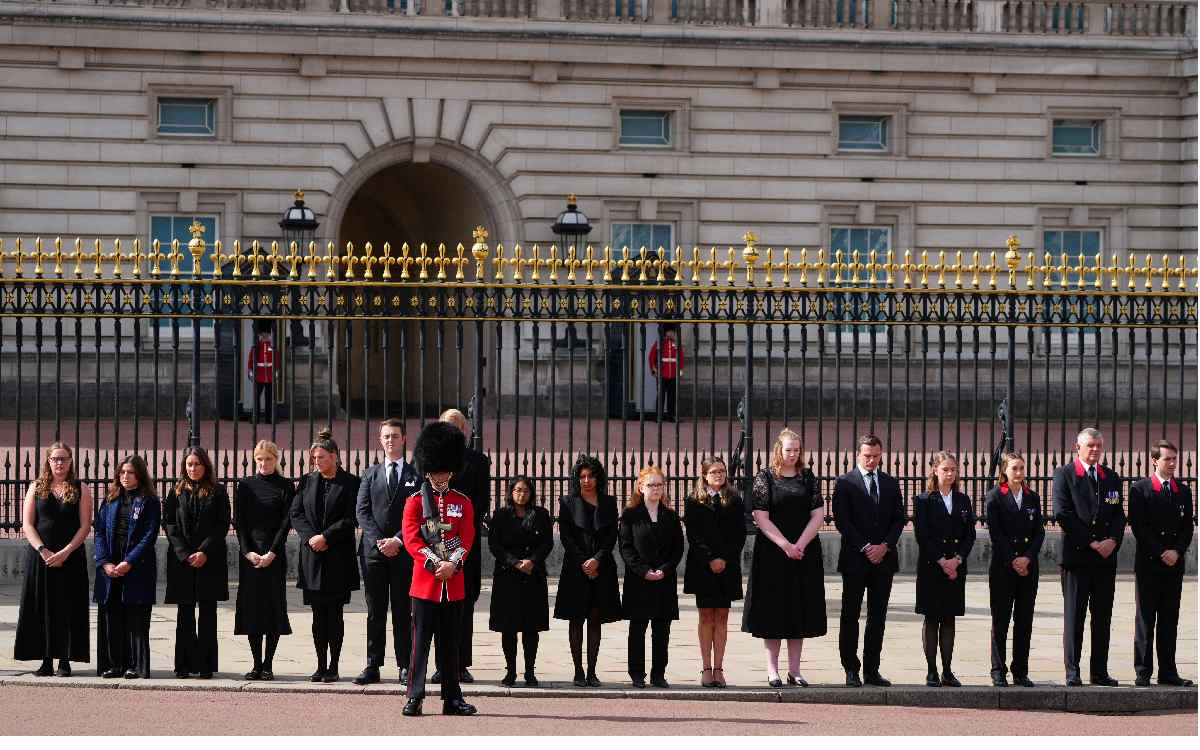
(440, 447)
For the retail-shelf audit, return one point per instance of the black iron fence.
(116, 351)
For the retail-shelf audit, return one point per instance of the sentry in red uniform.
(453, 509)
(671, 363)
(260, 365)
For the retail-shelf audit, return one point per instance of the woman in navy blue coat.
(126, 571)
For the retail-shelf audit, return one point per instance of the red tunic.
(455, 510)
(261, 362)
(672, 359)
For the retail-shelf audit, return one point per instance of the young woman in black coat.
(716, 533)
(323, 515)
(520, 537)
(587, 586)
(196, 522)
(944, 524)
(262, 506)
(652, 546)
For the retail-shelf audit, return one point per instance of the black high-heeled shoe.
(796, 681)
(64, 668)
(45, 670)
(509, 679)
(775, 682)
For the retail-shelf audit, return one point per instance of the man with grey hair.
(1088, 509)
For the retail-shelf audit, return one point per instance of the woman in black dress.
(520, 537)
(944, 524)
(652, 546)
(196, 522)
(587, 585)
(262, 516)
(324, 519)
(56, 519)
(716, 533)
(785, 596)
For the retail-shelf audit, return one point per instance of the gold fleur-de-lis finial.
(480, 234)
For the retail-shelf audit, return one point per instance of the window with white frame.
(645, 127)
(847, 240)
(1082, 247)
(1077, 138)
(636, 236)
(187, 117)
(863, 133)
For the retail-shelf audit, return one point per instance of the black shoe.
(1104, 681)
(45, 670)
(932, 679)
(459, 708)
(795, 681)
(467, 677)
(368, 676)
(131, 675)
(777, 683)
(64, 669)
(999, 680)
(509, 679)
(181, 675)
(949, 680)
(1142, 682)
(660, 682)
(853, 680)
(531, 680)
(877, 680)
(580, 680)
(435, 678)
(318, 676)
(1022, 681)
(204, 676)
(267, 675)
(594, 681)
(404, 676)
(113, 673)
(412, 707)
(1074, 682)
(331, 675)
(638, 682)
(1175, 681)
(254, 674)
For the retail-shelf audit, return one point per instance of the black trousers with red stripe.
(444, 620)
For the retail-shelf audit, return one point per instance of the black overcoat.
(941, 535)
(475, 481)
(262, 507)
(335, 570)
(1160, 524)
(196, 524)
(714, 531)
(520, 601)
(576, 592)
(645, 548)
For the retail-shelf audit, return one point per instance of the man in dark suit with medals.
(386, 567)
(439, 533)
(1087, 507)
(868, 511)
(474, 481)
(1160, 513)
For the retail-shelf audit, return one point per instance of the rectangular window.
(187, 117)
(637, 236)
(165, 229)
(860, 133)
(644, 127)
(1077, 137)
(1076, 243)
(852, 306)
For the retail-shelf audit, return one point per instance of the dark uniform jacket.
(196, 524)
(861, 522)
(1160, 524)
(940, 534)
(1086, 516)
(475, 481)
(335, 569)
(1014, 533)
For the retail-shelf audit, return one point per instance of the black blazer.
(643, 552)
(941, 534)
(860, 522)
(194, 524)
(1085, 517)
(379, 514)
(335, 569)
(1014, 533)
(1159, 525)
(513, 539)
(578, 543)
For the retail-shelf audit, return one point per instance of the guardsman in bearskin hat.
(438, 531)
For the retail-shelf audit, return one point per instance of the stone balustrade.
(1137, 18)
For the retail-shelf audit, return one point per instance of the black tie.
(1094, 482)
(872, 487)
(1166, 491)
(392, 480)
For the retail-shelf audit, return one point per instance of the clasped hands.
(1021, 565)
(260, 561)
(118, 570)
(876, 552)
(389, 547)
(950, 566)
(591, 567)
(317, 543)
(54, 559)
(1169, 557)
(525, 566)
(1104, 548)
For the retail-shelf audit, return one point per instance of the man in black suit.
(1160, 513)
(868, 511)
(386, 565)
(1087, 507)
(474, 481)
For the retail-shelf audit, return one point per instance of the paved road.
(105, 711)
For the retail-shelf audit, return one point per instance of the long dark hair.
(207, 483)
(592, 464)
(145, 485)
(512, 485)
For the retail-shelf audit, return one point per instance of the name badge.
(454, 511)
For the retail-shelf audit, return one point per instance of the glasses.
(715, 471)
(59, 459)
(654, 484)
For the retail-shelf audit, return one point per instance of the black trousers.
(660, 636)
(443, 620)
(196, 643)
(1157, 600)
(466, 631)
(388, 580)
(877, 585)
(267, 413)
(1087, 589)
(1012, 599)
(667, 390)
(123, 635)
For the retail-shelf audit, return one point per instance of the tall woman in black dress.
(944, 524)
(196, 521)
(716, 533)
(785, 596)
(324, 519)
(56, 519)
(262, 507)
(587, 586)
(521, 537)
(652, 546)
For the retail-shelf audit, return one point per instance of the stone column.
(770, 13)
(987, 15)
(548, 9)
(1094, 18)
(660, 11)
(881, 14)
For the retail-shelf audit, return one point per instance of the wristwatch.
(40, 547)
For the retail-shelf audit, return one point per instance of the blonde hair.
(700, 494)
(931, 484)
(777, 451)
(1005, 460)
(267, 447)
(637, 497)
(44, 481)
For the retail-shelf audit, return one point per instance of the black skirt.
(53, 621)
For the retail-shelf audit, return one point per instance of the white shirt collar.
(948, 500)
(863, 472)
(1017, 496)
(1163, 480)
